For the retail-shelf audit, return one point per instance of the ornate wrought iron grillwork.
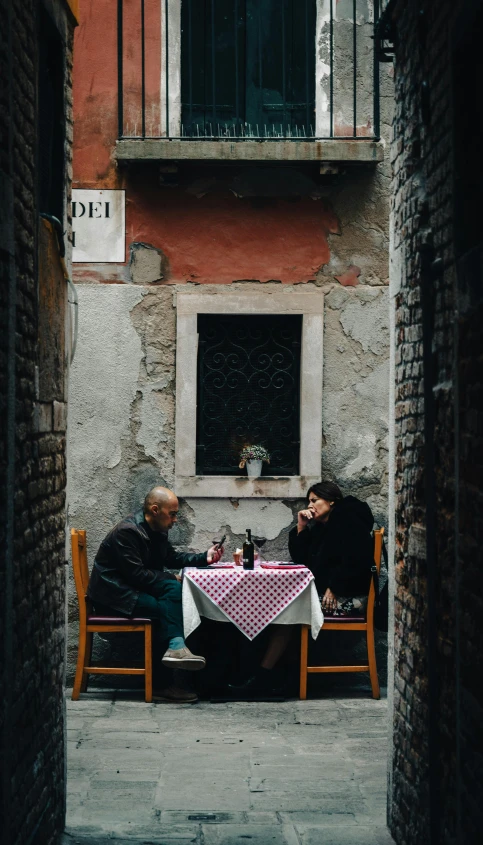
(248, 391)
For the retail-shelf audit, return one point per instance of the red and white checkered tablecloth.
(251, 599)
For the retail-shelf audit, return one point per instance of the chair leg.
(87, 662)
(304, 653)
(371, 659)
(148, 664)
(81, 659)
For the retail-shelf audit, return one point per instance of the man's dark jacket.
(132, 560)
(339, 552)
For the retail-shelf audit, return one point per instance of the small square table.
(251, 599)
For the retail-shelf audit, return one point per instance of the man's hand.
(178, 576)
(303, 518)
(214, 554)
(329, 601)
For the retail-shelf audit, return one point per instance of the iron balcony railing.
(247, 69)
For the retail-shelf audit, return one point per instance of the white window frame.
(189, 304)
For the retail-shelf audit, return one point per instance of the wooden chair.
(90, 624)
(353, 623)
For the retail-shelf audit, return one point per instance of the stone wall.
(437, 715)
(32, 456)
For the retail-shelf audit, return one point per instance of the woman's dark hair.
(327, 490)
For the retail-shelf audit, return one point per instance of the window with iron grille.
(248, 391)
(248, 67)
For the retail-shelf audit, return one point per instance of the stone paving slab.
(341, 835)
(272, 773)
(233, 834)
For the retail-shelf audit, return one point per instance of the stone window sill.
(241, 487)
(361, 151)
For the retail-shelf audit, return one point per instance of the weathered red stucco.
(218, 238)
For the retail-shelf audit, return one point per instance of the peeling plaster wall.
(122, 415)
(103, 385)
(267, 518)
(355, 398)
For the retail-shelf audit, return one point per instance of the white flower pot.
(254, 468)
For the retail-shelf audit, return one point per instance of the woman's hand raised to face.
(303, 519)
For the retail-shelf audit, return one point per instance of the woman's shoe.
(264, 681)
(248, 685)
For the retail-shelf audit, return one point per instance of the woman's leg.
(279, 640)
(264, 678)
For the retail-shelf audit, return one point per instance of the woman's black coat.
(339, 552)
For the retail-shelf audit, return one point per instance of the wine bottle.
(248, 551)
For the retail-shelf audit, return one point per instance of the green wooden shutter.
(248, 67)
(280, 67)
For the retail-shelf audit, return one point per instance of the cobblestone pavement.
(290, 773)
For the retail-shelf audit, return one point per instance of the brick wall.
(32, 456)
(438, 588)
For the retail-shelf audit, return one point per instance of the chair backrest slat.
(80, 567)
(378, 539)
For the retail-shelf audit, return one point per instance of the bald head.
(160, 496)
(161, 508)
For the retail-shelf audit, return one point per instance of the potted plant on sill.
(253, 457)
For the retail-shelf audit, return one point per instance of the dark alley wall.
(35, 103)
(435, 794)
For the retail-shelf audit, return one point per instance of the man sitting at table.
(129, 577)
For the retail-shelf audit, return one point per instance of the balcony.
(248, 80)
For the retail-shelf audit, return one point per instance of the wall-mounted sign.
(98, 226)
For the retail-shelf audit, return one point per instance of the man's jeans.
(163, 605)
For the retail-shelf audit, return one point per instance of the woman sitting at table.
(333, 539)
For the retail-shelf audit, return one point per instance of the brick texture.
(437, 634)
(32, 461)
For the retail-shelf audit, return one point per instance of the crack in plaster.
(153, 419)
(367, 326)
(267, 516)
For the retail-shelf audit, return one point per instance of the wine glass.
(259, 541)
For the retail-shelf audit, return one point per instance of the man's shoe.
(182, 658)
(175, 694)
